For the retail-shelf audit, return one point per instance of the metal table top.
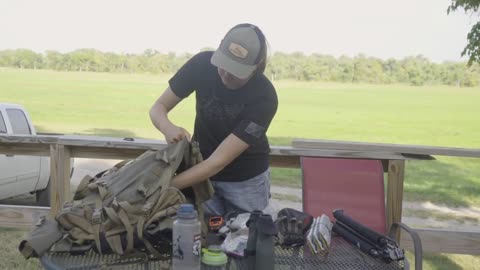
(342, 255)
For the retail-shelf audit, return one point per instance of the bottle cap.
(186, 211)
(214, 256)
(253, 217)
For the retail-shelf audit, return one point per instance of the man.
(235, 103)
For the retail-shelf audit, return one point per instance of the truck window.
(18, 121)
(3, 127)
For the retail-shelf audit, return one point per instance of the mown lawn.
(117, 105)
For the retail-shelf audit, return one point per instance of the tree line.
(414, 70)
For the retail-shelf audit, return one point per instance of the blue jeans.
(246, 196)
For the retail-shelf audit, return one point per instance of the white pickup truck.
(22, 174)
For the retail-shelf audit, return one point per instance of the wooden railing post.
(60, 166)
(396, 172)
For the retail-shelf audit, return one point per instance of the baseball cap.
(240, 51)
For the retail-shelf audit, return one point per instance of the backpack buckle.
(146, 208)
(97, 216)
(115, 203)
(40, 221)
(162, 156)
(102, 183)
(67, 205)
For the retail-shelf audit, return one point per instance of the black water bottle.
(250, 251)
(265, 255)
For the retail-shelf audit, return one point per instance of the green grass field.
(89, 103)
(117, 105)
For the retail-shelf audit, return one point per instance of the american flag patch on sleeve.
(255, 130)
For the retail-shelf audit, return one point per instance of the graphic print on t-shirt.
(212, 109)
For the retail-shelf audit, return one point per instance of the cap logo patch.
(238, 50)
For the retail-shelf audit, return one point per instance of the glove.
(291, 225)
(290, 231)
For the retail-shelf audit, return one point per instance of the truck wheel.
(43, 196)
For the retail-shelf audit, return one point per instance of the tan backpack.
(132, 205)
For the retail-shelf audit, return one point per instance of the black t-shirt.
(245, 112)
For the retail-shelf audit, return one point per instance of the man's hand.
(175, 134)
(158, 114)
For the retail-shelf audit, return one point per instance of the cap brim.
(239, 70)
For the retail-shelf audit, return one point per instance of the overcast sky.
(380, 28)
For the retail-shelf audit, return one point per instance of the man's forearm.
(159, 118)
(196, 174)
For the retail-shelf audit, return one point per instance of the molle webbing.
(126, 204)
